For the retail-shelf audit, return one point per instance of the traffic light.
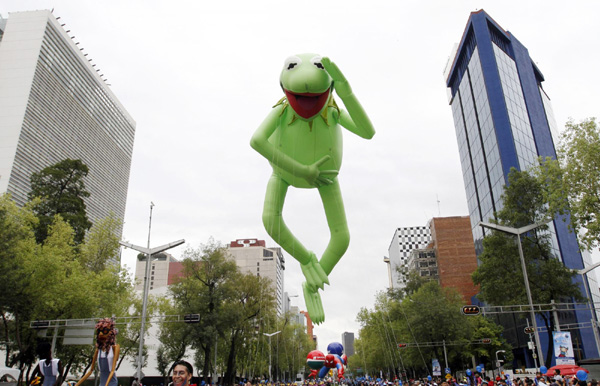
(486, 341)
(401, 345)
(529, 330)
(471, 310)
(191, 318)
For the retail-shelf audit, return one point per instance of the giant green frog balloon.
(302, 139)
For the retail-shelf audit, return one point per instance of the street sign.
(447, 370)
(191, 318)
(79, 332)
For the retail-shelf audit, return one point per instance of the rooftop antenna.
(438, 204)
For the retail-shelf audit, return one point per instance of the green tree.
(429, 316)
(572, 182)
(174, 338)
(290, 347)
(206, 286)
(251, 297)
(500, 269)
(17, 246)
(101, 244)
(61, 190)
(47, 282)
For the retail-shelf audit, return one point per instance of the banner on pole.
(437, 370)
(563, 348)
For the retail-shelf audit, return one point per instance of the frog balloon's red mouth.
(307, 105)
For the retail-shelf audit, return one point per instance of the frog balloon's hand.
(340, 83)
(316, 177)
(313, 304)
(315, 275)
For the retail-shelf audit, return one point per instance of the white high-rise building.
(405, 240)
(252, 256)
(55, 105)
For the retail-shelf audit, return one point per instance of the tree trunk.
(206, 368)
(549, 322)
(229, 378)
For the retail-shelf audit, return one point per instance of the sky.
(199, 77)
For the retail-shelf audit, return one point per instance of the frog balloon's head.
(306, 84)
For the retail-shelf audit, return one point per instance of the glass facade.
(503, 119)
(479, 154)
(71, 113)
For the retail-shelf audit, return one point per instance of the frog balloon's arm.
(356, 119)
(260, 143)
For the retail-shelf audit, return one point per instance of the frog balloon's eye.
(316, 61)
(292, 62)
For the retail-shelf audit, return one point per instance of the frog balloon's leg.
(275, 226)
(312, 299)
(331, 196)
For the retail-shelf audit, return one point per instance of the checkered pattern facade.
(405, 240)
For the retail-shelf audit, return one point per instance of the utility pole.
(518, 232)
(149, 252)
(270, 353)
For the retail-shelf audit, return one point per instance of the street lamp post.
(498, 365)
(270, 349)
(518, 232)
(149, 252)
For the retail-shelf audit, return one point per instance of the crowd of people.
(48, 372)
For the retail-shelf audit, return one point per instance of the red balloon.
(330, 361)
(315, 359)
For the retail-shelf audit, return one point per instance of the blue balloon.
(335, 348)
(429, 378)
(543, 369)
(469, 372)
(581, 375)
(478, 368)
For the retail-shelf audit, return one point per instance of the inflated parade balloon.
(582, 375)
(469, 372)
(333, 360)
(315, 359)
(302, 139)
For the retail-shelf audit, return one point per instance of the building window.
(267, 253)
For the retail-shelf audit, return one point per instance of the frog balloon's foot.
(315, 275)
(313, 304)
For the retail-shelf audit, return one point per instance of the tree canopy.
(52, 280)
(61, 191)
(500, 274)
(572, 182)
(234, 309)
(430, 316)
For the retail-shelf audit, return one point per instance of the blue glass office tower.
(503, 119)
